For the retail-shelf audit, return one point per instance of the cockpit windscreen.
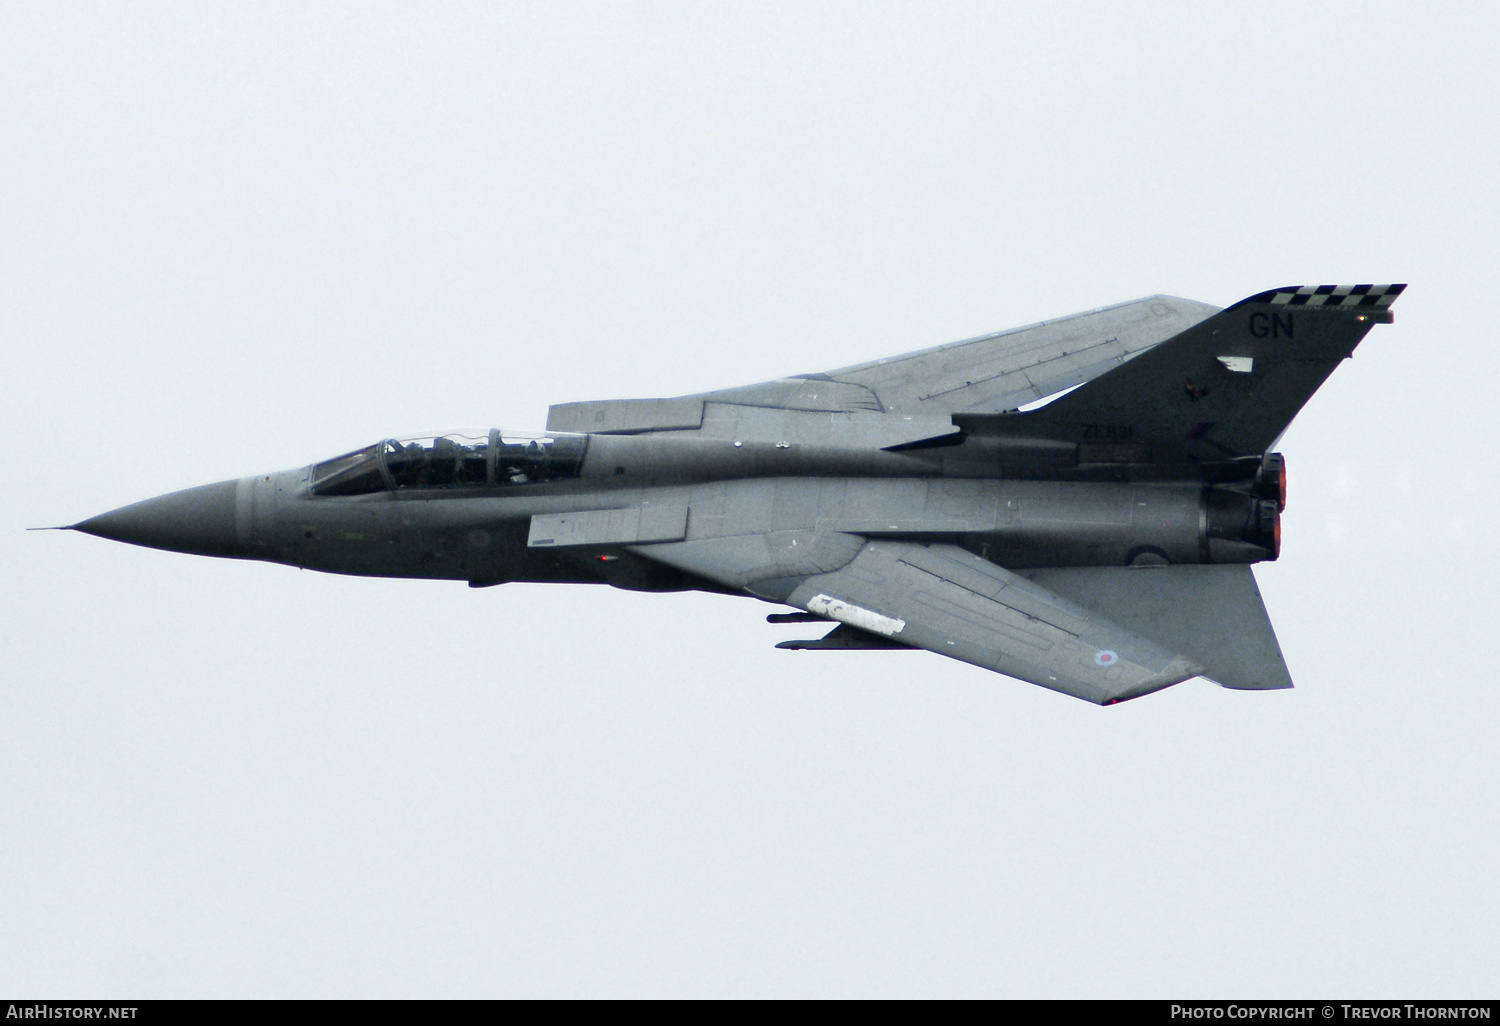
(454, 460)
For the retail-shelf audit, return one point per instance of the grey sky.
(244, 239)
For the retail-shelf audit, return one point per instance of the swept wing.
(987, 374)
(1007, 369)
(947, 600)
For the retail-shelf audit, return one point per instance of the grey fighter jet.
(1074, 503)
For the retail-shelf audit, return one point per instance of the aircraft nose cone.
(197, 520)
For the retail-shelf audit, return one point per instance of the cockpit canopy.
(455, 460)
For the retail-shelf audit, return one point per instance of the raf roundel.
(1106, 658)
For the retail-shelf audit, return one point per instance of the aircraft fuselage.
(484, 532)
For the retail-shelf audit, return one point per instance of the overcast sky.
(243, 238)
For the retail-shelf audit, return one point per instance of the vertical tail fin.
(1226, 387)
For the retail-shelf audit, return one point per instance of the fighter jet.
(1075, 503)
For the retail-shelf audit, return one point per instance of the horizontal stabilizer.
(1211, 614)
